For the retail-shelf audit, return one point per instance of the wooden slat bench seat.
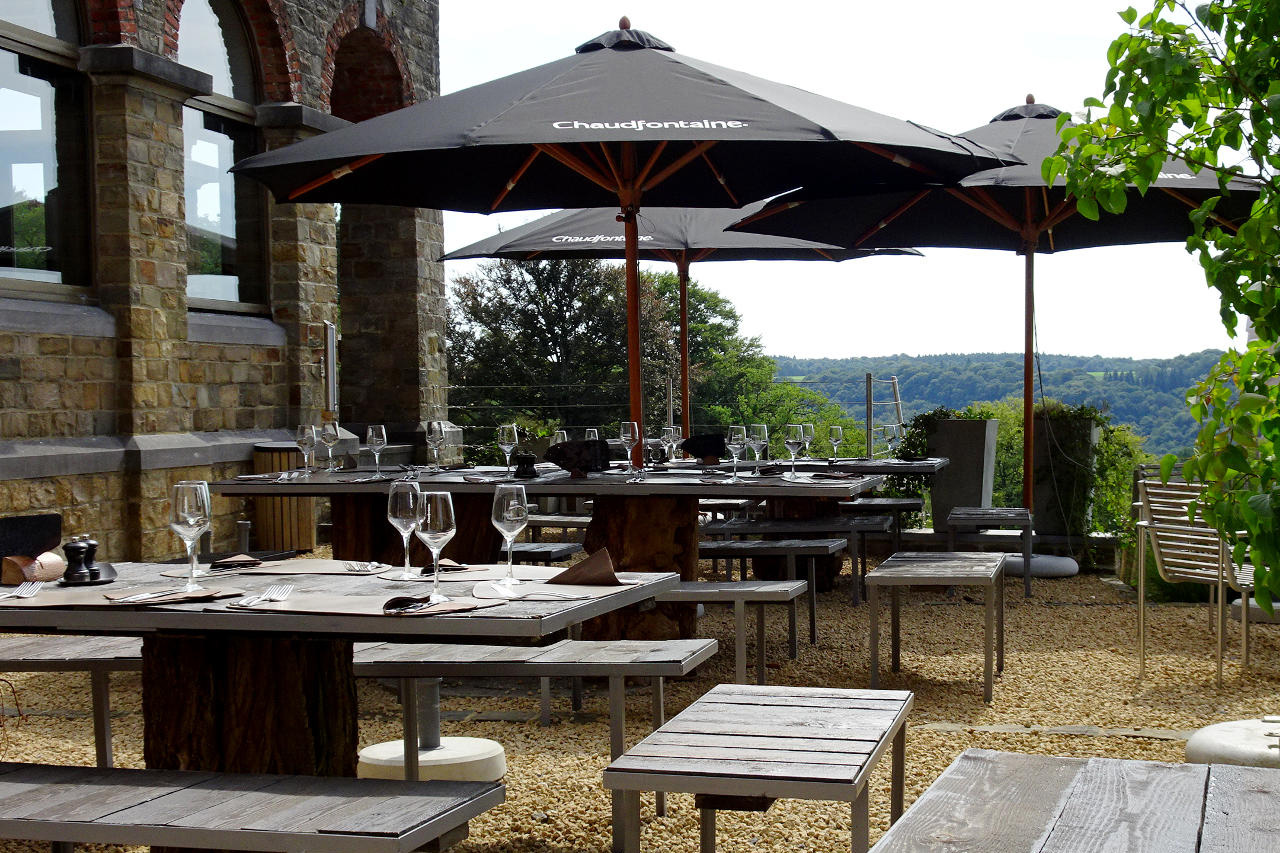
(544, 552)
(946, 569)
(964, 518)
(741, 747)
(740, 594)
(1004, 801)
(561, 521)
(878, 506)
(290, 814)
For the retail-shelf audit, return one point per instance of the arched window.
(226, 215)
(43, 151)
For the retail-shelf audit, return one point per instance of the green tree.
(1203, 84)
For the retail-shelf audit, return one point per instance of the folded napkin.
(770, 470)
(419, 605)
(170, 597)
(235, 561)
(833, 475)
(595, 570)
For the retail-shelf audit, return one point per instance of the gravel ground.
(1070, 662)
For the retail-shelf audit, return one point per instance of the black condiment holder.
(83, 569)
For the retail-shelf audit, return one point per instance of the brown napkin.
(770, 470)
(596, 570)
(173, 597)
(236, 561)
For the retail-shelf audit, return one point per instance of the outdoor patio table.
(274, 692)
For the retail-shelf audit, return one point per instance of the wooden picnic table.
(1013, 803)
(273, 690)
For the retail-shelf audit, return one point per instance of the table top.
(923, 568)
(1033, 803)
(767, 741)
(510, 619)
(677, 480)
(854, 464)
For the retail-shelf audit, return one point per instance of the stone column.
(392, 296)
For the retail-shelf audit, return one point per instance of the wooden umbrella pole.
(1028, 382)
(629, 196)
(682, 267)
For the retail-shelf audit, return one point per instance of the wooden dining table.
(271, 689)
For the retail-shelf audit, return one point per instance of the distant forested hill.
(1147, 394)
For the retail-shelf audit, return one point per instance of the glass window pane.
(211, 38)
(55, 18)
(42, 172)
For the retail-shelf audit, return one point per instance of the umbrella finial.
(624, 23)
(1031, 99)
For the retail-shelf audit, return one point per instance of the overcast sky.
(942, 63)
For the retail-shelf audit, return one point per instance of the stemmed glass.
(736, 441)
(757, 439)
(793, 442)
(435, 530)
(593, 435)
(329, 438)
(835, 435)
(435, 440)
(669, 442)
(560, 437)
(376, 437)
(677, 438)
(808, 438)
(510, 515)
(629, 435)
(306, 439)
(190, 515)
(507, 439)
(405, 511)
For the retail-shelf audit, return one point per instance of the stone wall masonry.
(56, 385)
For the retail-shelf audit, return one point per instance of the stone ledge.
(287, 114)
(127, 59)
(62, 457)
(233, 329)
(55, 318)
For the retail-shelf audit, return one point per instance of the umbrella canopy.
(674, 234)
(624, 120)
(1009, 207)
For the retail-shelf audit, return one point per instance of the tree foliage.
(1203, 84)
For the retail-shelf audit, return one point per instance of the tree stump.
(646, 534)
(249, 703)
(361, 531)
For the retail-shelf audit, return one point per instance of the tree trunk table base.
(361, 531)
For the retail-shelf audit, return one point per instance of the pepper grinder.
(76, 550)
(91, 552)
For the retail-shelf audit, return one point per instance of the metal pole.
(870, 418)
(1028, 382)
(330, 367)
(629, 196)
(686, 406)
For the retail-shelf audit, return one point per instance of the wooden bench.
(173, 808)
(740, 747)
(940, 569)
(740, 594)
(724, 508)
(1004, 801)
(563, 521)
(963, 518)
(878, 506)
(544, 552)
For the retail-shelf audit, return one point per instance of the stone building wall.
(114, 388)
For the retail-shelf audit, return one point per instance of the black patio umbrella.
(625, 121)
(678, 235)
(1009, 207)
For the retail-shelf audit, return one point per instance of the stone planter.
(1062, 471)
(971, 446)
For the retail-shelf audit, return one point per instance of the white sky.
(946, 64)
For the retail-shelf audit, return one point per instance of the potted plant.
(1063, 467)
(969, 444)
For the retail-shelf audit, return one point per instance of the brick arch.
(112, 22)
(279, 68)
(372, 77)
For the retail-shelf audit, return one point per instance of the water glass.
(560, 437)
(376, 438)
(510, 515)
(435, 440)
(668, 439)
(190, 515)
(508, 436)
(808, 438)
(306, 439)
(405, 511)
(629, 435)
(835, 435)
(593, 435)
(329, 438)
(758, 439)
(736, 441)
(435, 530)
(793, 441)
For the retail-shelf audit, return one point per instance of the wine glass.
(736, 441)
(757, 439)
(306, 440)
(593, 435)
(507, 438)
(835, 435)
(808, 438)
(793, 442)
(629, 435)
(376, 437)
(677, 437)
(560, 437)
(404, 511)
(190, 514)
(668, 440)
(435, 530)
(510, 515)
(329, 438)
(435, 440)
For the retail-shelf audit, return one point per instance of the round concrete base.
(1042, 566)
(1248, 742)
(1257, 616)
(463, 759)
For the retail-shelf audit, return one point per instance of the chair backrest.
(1185, 549)
(30, 535)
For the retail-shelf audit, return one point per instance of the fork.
(26, 589)
(278, 592)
